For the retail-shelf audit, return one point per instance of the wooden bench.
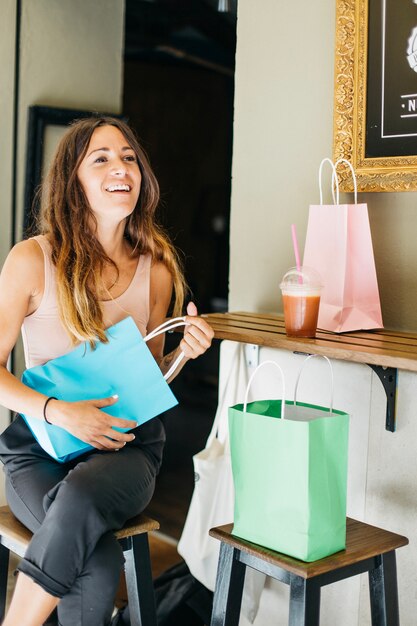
(368, 549)
(133, 537)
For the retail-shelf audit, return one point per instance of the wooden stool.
(368, 549)
(133, 538)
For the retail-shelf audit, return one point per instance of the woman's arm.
(21, 290)
(197, 335)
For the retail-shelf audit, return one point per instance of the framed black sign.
(375, 119)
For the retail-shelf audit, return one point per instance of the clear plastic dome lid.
(305, 278)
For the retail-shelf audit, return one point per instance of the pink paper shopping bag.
(339, 246)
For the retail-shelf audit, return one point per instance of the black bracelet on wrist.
(44, 409)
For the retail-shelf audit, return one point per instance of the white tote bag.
(212, 503)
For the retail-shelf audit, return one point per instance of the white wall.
(283, 128)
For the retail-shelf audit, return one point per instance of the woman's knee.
(77, 496)
(20, 509)
(101, 493)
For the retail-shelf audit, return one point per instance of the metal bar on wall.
(15, 138)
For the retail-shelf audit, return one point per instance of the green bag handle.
(245, 404)
(312, 356)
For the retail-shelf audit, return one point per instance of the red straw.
(295, 244)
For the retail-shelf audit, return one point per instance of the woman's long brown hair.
(66, 218)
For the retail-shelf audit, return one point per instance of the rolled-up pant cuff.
(38, 576)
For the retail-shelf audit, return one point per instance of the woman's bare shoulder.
(160, 271)
(27, 251)
(160, 282)
(25, 260)
(161, 277)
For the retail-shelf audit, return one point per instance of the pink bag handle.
(334, 180)
(349, 164)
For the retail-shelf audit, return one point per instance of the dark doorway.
(178, 95)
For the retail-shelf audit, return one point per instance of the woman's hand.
(85, 421)
(198, 334)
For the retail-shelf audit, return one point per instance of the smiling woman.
(110, 175)
(99, 258)
(76, 213)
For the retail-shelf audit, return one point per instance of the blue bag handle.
(163, 328)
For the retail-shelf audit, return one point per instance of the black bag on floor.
(180, 600)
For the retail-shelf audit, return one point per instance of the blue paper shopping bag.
(123, 366)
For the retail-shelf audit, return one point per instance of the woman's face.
(110, 175)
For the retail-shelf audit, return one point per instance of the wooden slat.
(246, 320)
(13, 530)
(362, 542)
(371, 339)
(270, 322)
(396, 346)
(386, 348)
(137, 526)
(265, 320)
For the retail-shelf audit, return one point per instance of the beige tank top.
(44, 336)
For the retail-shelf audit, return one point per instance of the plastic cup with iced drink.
(301, 290)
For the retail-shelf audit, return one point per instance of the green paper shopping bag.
(289, 463)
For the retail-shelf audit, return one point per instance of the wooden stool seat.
(368, 549)
(133, 537)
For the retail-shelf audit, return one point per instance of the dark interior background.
(178, 95)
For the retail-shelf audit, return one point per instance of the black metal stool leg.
(384, 592)
(304, 602)
(139, 583)
(229, 588)
(4, 569)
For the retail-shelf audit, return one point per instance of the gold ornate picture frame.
(375, 101)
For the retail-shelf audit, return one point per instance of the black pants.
(72, 509)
